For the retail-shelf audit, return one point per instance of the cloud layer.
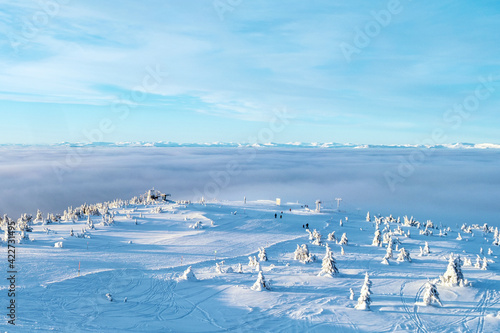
(450, 187)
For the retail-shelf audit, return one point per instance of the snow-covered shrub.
(351, 294)
(239, 269)
(197, 225)
(109, 297)
(431, 294)
(331, 236)
(328, 264)
(403, 255)
(219, 267)
(459, 237)
(58, 244)
(188, 275)
(261, 283)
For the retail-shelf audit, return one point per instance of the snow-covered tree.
(385, 261)
(252, 261)
(351, 294)
(302, 254)
(344, 240)
(219, 267)
(368, 219)
(39, 216)
(90, 223)
(377, 239)
(239, 269)
(257, 267)
(317, 237)
(484, 265)
(341, 223)
(478, 261)
(342, 252)
(331, 236)
(459, 237)
(364, 299)
(431, 294)
(262, 254)
(426, 250)
(328, 264)
(188, 275)
(403, 255)
(197, 225)
(453, 275)
(261, 283)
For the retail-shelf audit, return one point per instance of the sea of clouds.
(448, 186)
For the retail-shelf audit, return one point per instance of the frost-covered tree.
(343, 240)
(384, 261)
(459, 237)
(252, 261)
(453, 275)
(197, 225)
(257, 267)
(368, 219)
(302, 254)
(484, 265)
(239, 269)
(478, 261)
(431, 294)
(39, 216)
(364, 299)
(426, 250)
(341, 223)
(377, 239)
(188, 275)
(316, 237)
(261, 283)
(90, 223)
(328, 264)
(219, 267)
(262, 254)
(342, 252)
(351, 294)
(403, 255)
(331, 236)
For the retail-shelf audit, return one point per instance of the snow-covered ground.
(140, 258)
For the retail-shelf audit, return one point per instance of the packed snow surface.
(148, 271)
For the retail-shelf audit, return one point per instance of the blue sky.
(381, 72)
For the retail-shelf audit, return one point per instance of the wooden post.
(78, 268)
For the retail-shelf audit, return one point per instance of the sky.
(373, 72)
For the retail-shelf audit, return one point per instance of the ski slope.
(142, 262)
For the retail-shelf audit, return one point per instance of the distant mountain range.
(328, 145)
